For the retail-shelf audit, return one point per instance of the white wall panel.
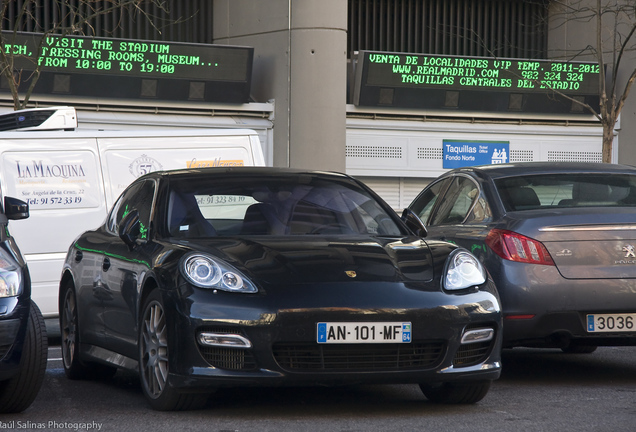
(400, 148)
(397, 158)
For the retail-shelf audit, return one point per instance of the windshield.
(286, 205)
(567, 190)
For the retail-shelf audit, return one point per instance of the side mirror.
(130, 229)
(414, 223)
(15, 209)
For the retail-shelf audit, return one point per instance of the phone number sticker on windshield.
(363, 332)
(611, 323)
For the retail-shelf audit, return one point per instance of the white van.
(71, 178)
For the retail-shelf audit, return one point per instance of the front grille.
(472, 354)
(236, 359)
(345, 357)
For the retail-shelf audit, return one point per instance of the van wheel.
(456, 392)
(19, 392)
(154, 361)
(74, 368)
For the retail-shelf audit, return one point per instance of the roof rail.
(59, 117)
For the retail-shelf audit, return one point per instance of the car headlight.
(463, 271)
(207, 272)
(10, 279)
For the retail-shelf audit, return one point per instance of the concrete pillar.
(300, 63)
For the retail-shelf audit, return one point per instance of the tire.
(456, 393)
(19, 392)
(154, 361)
(74, 368)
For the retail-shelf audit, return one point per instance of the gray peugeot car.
(559, 240)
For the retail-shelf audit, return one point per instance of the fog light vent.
(476, 345)
(478, 335)
(224, 340)
(226, 348)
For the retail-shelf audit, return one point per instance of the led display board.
(473, 83)
(139, 69)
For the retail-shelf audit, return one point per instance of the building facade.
(314, 101)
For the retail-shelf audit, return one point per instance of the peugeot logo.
(629, 250)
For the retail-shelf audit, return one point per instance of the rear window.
(567, 190)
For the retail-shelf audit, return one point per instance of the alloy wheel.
(69, 328)
(154, 349)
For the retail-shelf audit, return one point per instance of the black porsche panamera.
(208, 278)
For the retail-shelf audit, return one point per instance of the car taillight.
(516, 247)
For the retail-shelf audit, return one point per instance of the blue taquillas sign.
(459, 154)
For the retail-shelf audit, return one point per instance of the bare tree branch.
(69, 17)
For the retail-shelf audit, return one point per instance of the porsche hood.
(289, 261)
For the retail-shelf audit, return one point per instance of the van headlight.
(207, 272)
(10, 278)
(463, 271)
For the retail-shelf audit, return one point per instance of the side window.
(138, 197)
(481, 212)
(424, 204)
(113, 219)
(457, 202)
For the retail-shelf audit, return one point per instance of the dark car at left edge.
(23, 338)
(211, 278)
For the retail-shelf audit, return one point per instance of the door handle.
(106, 264)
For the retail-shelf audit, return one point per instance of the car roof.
(244, 171)
(538, 168)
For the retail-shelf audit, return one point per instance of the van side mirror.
(414, 223)
(130, 229)
(15, 209)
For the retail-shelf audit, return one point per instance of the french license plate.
(611, 323)
(364, 332)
